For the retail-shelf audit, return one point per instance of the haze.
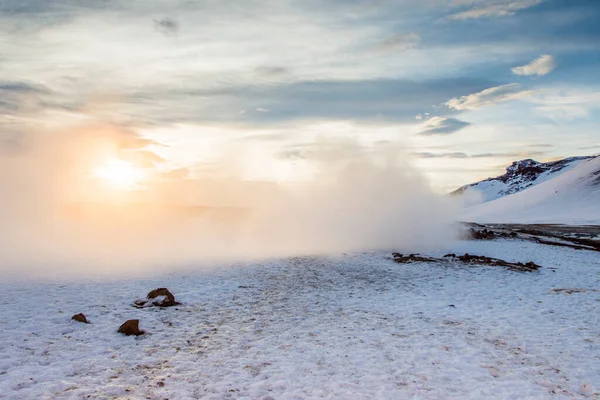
(149, 132)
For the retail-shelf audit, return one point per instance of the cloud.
(567, 104)
(400, 41)
(397, 100)
(593, 147)
(326, 150)
(176, 174)
(108, 141)
(264, 137)
(440, 155)
(271, 71)
(491, 8)
(142, 158)
(461, 155)
(541, 66)
(488, 97)
(442, 126)
(167, 26)
(125, 139)
(526, 154)
(21, 96)
(293, 154)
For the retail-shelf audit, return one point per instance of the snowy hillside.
(519, 176)
(568, 196)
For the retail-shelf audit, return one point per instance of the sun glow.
(119, 174)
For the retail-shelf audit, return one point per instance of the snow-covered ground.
(352, 326)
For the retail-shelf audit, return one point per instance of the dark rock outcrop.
(469, 260)
(495, 262)
(483, 234)
(402, 259)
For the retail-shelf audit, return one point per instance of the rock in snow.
(131, 328)
(80, 318)
(169, 299)
(160, 297)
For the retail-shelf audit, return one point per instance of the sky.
(261, 88)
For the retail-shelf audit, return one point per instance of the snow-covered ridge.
(569, 197)
(519, 176)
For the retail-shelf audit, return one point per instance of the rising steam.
(357, 200)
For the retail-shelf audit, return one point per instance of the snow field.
(354, 326)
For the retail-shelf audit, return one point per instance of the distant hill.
(519, 176)
(566, 191)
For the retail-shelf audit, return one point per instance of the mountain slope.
(519, 176)
(571, 197)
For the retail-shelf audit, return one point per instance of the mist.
(57, 224)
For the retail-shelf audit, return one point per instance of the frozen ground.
(355, 326)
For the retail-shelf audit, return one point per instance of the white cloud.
(491, 8)
(488, 97)
(566, 104)
(541, 66)
(442, 126)
(441, 155)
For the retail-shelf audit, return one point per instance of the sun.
(119, 174)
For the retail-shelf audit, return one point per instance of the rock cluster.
(486, 234)
(160, 297)
(495, 262)
(469, 260)
(402, 259)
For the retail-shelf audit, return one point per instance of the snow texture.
(353, 326)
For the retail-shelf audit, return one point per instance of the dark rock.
(169, 298)
(496, 262)
(160, 297)
(80, 318)
(469, 260)
(483, 234)
(572, 290)
(402, 259)
(131, 328)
